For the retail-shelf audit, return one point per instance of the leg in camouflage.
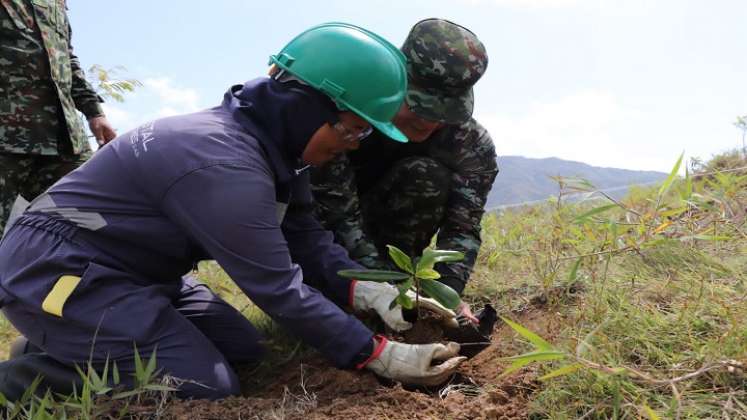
(30, 175)
(16, 169)
(406, 207)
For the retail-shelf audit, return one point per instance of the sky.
(626, 84)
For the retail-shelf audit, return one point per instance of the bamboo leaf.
(592, 212)
(672, 175)
(400, 258)
(703, 237)
(115, 373)
(575, 183)
(514, 367)
(533, 338)
(527, 358)
(538, 356)
(94, 376)
(650, 413)
(103, 390)
(565, 370)
(150, 369)
(374, 275)
(444, 294)
(139, 370)
(662, 227)
(126, 394)
(673, 212)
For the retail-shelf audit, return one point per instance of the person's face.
(329, 141)
(416, 129)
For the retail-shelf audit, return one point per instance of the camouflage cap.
(444, 61)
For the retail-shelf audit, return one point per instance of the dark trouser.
(407, 206)
(195, 334)
(30, 175)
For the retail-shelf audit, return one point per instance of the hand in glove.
(411, 363)
(369, 295)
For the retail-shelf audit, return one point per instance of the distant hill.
(523, 179)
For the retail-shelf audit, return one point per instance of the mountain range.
(524, 179)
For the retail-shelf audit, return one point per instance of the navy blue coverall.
(95, 264)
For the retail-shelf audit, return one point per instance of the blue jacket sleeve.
(313, 248)
(230, 210)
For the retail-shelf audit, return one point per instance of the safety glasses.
(352, 134)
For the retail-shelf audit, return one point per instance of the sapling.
(417, 275)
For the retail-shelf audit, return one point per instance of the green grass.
(7, 335)
(96, 399)
(656, 301)
(642, 292)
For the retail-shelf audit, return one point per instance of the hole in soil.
(427, 328)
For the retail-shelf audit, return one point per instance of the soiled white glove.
(411, 363)
(369, 295)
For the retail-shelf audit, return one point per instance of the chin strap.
(299, 171)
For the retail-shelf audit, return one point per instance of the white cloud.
(612, 8)
(179, 98)
(158, 97)
(117, 116)
(576, 127)
(601, 129)
(167, 111)
(590, 126)
(528, 4)
(537, 4)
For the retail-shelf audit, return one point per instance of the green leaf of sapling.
(400, 258)
(442, 293)
(381, 276)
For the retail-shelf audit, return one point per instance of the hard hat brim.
(390, 130)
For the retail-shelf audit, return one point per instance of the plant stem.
(417, 294)
(610, 251)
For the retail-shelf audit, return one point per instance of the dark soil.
(309, 388)
(426, 329)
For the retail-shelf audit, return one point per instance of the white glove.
(411, 363)
(369, 295)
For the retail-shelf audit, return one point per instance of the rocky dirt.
(309, 388)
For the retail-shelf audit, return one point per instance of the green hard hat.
(359, 70)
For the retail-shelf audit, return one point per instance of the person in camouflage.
(41, 135)
(404, 193)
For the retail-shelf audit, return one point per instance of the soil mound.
(309, 388)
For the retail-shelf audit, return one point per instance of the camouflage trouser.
(406, 206)
(30, 175)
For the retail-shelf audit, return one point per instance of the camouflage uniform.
(41, 134)
(403, 193)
